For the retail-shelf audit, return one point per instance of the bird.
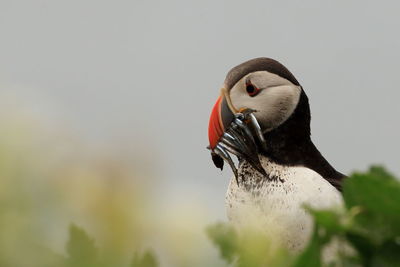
(263, 116)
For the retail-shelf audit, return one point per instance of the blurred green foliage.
(367, 231)
(65, 202)
(82, 252)
(146, 259)
(48, 181)
(81, 249)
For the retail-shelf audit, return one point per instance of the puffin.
(262, 117)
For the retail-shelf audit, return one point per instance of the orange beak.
(241, 141)
(220, 118)
(215, 127)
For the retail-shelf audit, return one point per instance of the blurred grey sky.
(148, 72)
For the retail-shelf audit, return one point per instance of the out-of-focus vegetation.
(63, 204)
(49, 181)
(66, 202)
(366, 232)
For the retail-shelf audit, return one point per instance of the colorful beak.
(232, 131)
(220, 119)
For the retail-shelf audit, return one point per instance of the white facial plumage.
(274, 103)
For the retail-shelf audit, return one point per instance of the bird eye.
(251, 89)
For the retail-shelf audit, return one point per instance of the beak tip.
(218, 161)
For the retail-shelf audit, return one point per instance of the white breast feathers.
(274, 203)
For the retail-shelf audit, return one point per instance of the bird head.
(265, 87)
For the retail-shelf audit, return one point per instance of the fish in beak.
(236, 132)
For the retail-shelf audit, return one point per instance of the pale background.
(142, 76)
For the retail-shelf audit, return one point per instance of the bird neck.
(290, 144)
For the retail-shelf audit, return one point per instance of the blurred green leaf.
(328, 219)
(147, 259)
(387, 255)
(363, 245)
(248, 248)
(80, 248)
(380, 173)
(311, 256)
(225, 238)
(378, 194)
